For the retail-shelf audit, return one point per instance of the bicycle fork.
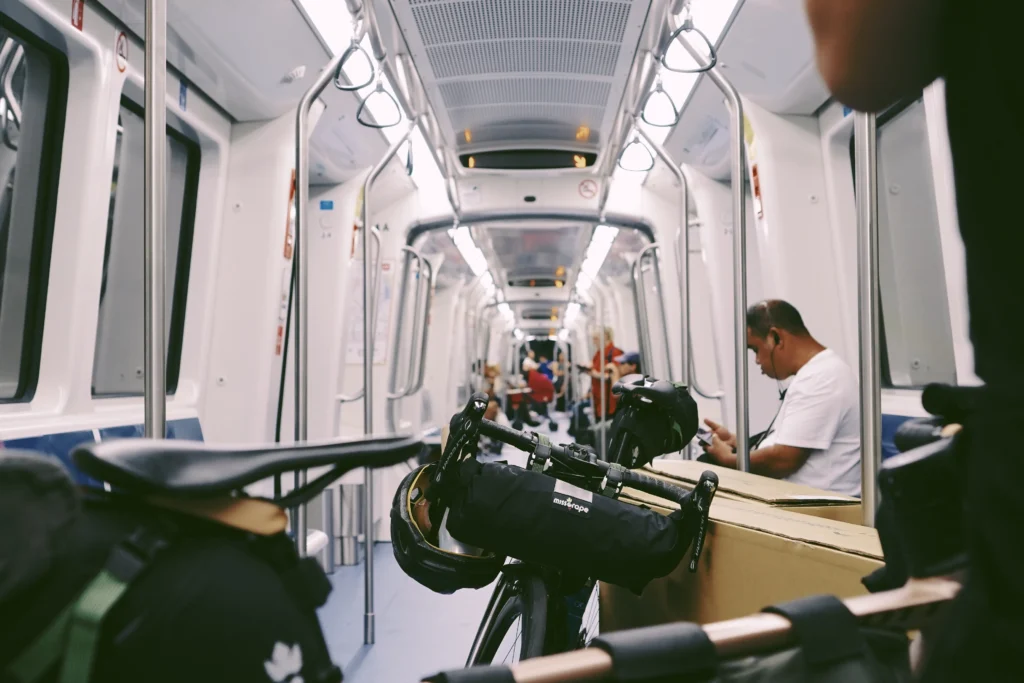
(501, 590)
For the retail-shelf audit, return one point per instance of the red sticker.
(77, 10)
(588, 189)
(121, 51)
(289, 239)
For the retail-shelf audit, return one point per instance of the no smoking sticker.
(121, 51)
(588, 189)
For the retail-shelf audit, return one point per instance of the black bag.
(653, 418)
(96, 586)
(539, 519)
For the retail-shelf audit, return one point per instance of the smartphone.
(704, 435)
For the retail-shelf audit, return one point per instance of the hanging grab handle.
(351, 51)
(379, 91)
(705, 60)
(358, 32)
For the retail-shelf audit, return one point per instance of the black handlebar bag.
(100, 587)
(536, 518)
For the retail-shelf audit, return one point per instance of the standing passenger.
(871, 54)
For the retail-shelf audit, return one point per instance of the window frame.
(183, 262)
(47, 193)
(882, 118)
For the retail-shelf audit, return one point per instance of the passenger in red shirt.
(543, 389)
(542, 392)
(611, 352)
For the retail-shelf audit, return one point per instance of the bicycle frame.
(575, 605)
(503, 587)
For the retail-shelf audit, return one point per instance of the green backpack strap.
(74, 634)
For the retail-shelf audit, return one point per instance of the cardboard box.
(777, 493)
(755, 555)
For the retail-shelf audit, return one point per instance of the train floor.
(418, 632)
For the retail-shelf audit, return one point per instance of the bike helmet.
(418, 554)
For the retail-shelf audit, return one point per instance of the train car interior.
(418, 291)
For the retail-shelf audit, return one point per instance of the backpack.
(101, 586)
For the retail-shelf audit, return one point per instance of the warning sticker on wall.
(354, 314)
(748, 136)
(77, 13)
(121, 51)
(289, 223)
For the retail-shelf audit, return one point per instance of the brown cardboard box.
(755, 555)
(777, 493)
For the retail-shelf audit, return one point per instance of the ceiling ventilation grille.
(518, 56)
(523, 71)
(459, 21)
(572, 91)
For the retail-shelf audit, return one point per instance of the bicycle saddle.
(674, 400)
(190, 469)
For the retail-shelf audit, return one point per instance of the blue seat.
(890, 423)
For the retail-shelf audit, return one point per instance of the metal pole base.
(369, 630)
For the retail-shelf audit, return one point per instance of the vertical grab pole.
(664, 314)
(299, 523)
(739, 262)
(604, 380)
(155, 386)
(640, 301)
(866, 164)
(428, 303)
(368, 334)
(394, 393)
(682, 262)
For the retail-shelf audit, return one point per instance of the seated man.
(545, 368)
(626, 364)
(815, 437)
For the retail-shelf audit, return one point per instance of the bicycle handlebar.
(697, 501)
(469, 424)
(513, 437)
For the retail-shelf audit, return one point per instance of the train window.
(916, 334)
(118, 363)
(33, 96)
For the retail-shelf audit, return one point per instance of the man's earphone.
(778, 340)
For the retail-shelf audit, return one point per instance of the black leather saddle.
(191, 469)
(674, 400)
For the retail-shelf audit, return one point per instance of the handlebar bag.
(538, 519)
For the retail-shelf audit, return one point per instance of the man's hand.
(720, 451)
(722, 433)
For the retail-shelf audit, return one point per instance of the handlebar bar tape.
(476, 674)
(655, 487)
(667, 652)
(826, 630)
(513, 437)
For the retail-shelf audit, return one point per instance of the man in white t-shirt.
(815, 437)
